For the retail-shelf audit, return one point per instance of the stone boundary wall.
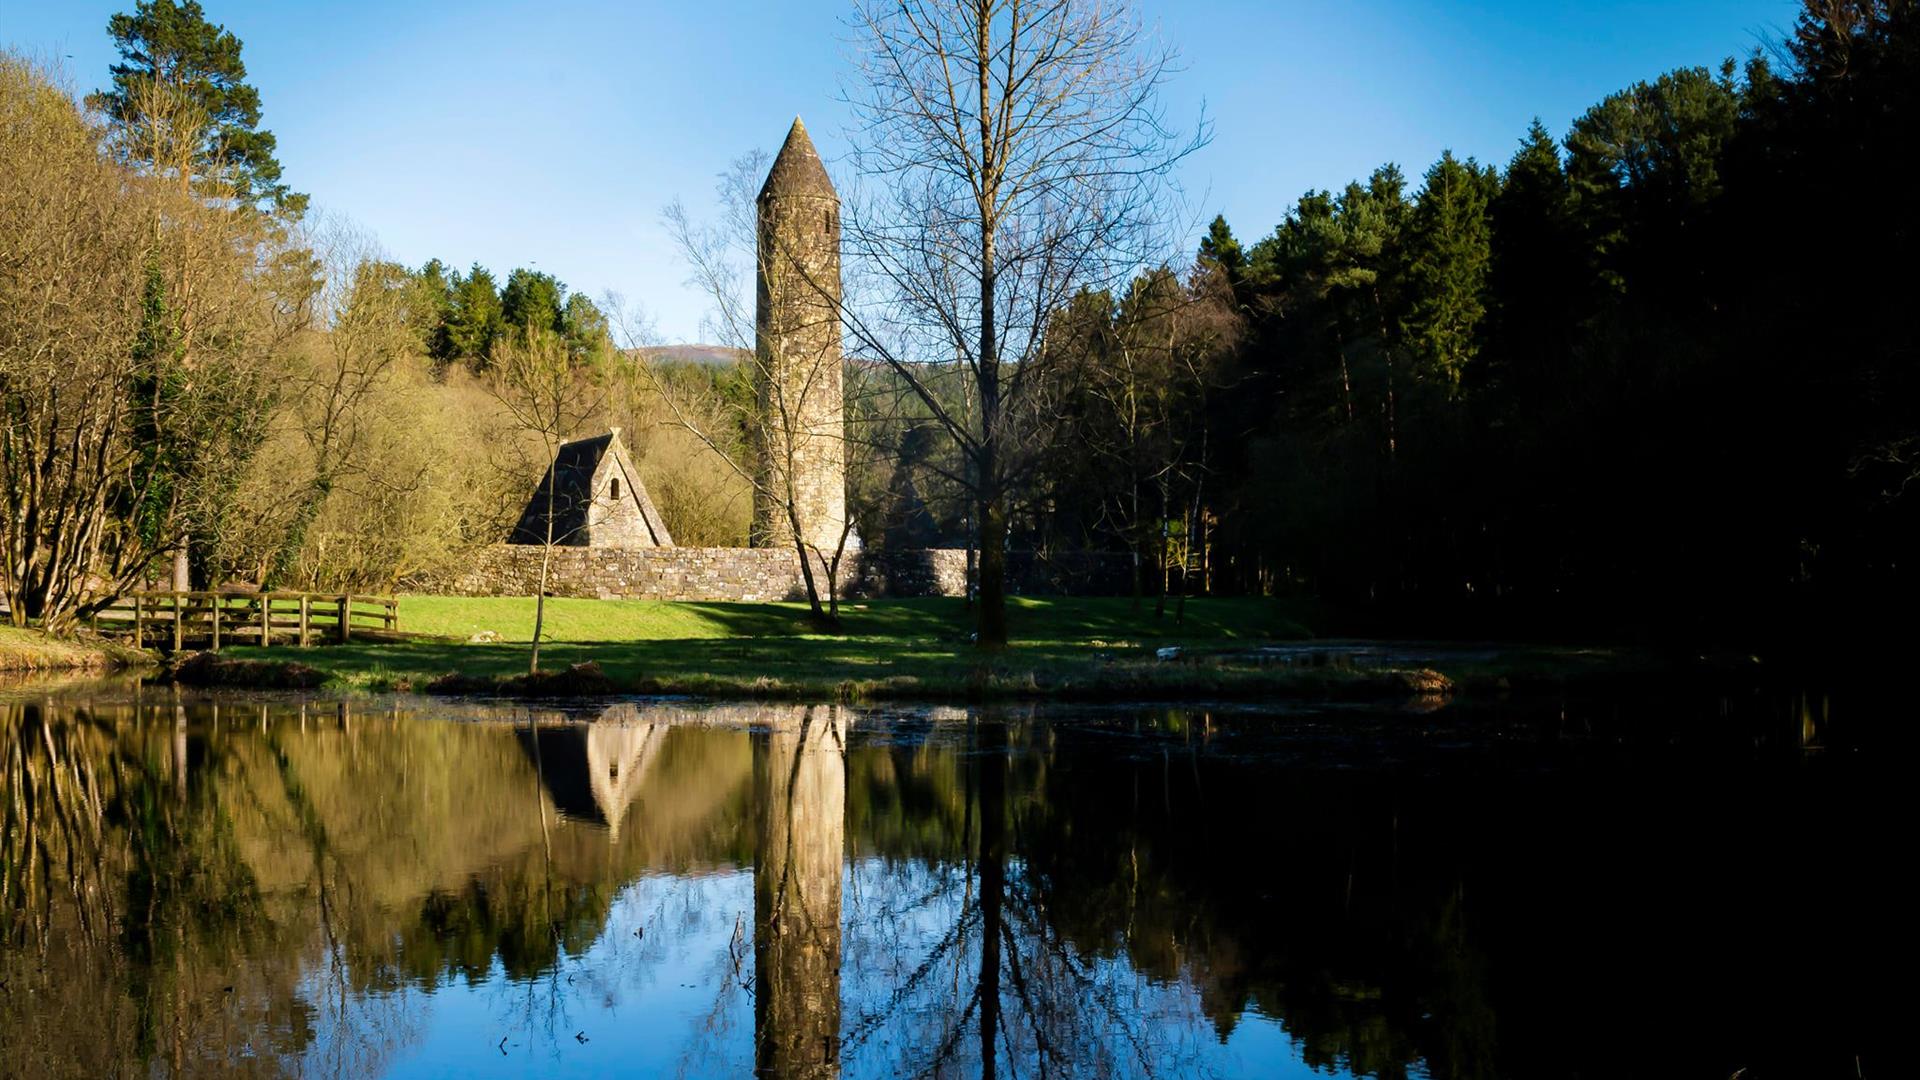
(767, 574)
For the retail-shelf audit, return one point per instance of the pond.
(264, 885)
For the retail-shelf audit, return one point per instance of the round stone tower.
(798, 374)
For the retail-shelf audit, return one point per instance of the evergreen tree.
(1644, 168)
(1534, 274)
(1448, 253)
(436, 287)
(584, 328)
(170, 49)
(532, 300)
(475, 323)
(1221, 249)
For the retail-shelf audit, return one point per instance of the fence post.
(266, 619)
(306, 608)
(179, 601)
(216, 624)
(139, 621)
(346, 616)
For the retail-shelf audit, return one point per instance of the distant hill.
(723, 355)
(711, 355)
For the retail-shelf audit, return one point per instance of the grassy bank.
(1069, 648)
(31, 650)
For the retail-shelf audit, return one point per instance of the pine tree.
(437, 301)
(1535, 269)
(475, 323)
(1221, 249)
(532, 300)
(585, 328)
(170, 49)
(1448, 254)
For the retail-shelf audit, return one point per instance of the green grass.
(33, 650)
(1053, 619)
(887, 649)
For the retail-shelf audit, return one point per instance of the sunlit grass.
(32, 650)
(895, 648)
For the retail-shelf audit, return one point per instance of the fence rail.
(175, 618)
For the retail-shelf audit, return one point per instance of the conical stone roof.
(797, 169)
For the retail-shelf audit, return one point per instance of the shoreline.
(1467, 673)
(1066, 650)
(34, 652)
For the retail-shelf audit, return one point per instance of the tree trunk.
(833, 570)
(1139, 560)
(1194, 525)
(973, 552)
(993, 880)
(1166, 548)
(814, 611)
(540, 601)
(992, 620)
(546, 560)
(991, 617)
(1386, 350)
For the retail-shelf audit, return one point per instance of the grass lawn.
(942, 619)
(1080, 647)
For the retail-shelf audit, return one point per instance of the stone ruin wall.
(767, 574)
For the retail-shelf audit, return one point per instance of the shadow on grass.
(1037, 619)
(898, 648)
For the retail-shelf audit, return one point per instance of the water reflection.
(194, 885)
(799, 804)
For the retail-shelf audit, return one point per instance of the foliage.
(1021, 157)
(474, 319)
(1446, 268)
(135, 340)
(170, 50)
(1623, 383)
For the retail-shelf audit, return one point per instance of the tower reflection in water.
(800, 803)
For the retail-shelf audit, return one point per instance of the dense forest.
(1654, 374)
(1660, 373)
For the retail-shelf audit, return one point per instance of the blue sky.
(552, 134)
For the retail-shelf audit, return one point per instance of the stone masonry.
(798, 376)
(766, 574)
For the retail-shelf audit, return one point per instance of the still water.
(248, 885)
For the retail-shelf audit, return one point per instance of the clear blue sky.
(552, 134)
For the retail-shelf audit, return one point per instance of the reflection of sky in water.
(662, 1004)
(671, 1003)
(322, 888)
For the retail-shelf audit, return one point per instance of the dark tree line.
(1660, 374)
(465, 317)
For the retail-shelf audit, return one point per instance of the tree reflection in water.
(196, 885)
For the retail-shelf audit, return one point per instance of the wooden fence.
(166, 619)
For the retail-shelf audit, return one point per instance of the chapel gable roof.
(571, 479)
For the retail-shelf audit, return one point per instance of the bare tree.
(132, 333)
(1021, 155)
(547, 397)
(363, 309)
